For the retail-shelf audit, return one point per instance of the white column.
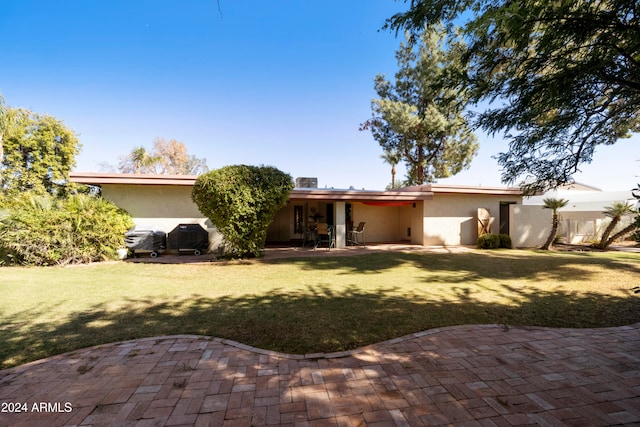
(340, 216)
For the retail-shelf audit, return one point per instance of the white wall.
(530, 225)
(160, 207)
(452, 219)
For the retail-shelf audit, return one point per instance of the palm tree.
(616, 211)
(555, 205)
(392, 158)
(139, 161)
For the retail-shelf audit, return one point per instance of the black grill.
(188, 237)
(145, 240)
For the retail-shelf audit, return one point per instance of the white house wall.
(383, 223)
(451, 219)
(530, 225)
(160, 207)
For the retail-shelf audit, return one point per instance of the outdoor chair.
(324, 236)
(357, 235)
(308, 236)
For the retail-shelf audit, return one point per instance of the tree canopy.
(39, 152)
(168, 157)
(418, 116)
(562, 77)
(241, 202)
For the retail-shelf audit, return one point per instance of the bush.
(44, 230)
(494, 241)
(505, 241)
(488, 241)
(241, 202)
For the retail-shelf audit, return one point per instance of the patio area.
(487, 375)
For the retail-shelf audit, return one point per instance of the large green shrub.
(241, 202)
(494, 241)
(44, 230)
(488, 241)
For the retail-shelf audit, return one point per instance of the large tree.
(563, 76)
(39, 152)
(418, 116)
(168, 157)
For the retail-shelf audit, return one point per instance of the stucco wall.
(383, 223)
(530, 225)
(160, 207)
(451, 219)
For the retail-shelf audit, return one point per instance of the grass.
(313, 304)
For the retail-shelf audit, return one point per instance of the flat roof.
(420, 192)
(465, 189)
(92, 178)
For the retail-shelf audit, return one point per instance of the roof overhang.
(407, 194)
(389, 197)
(90, 178)
(386, 197)
(465, 189)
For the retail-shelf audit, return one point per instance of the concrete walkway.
(463, 375)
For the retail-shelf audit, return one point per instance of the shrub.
(494, 241)
(505, 241)
(44, 230)
(241, 202)
(488, 241)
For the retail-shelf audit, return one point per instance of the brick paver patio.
(462, 375)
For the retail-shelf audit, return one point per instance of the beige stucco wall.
(451, 219)
(160, 207)
(383, 223)
(530, 225)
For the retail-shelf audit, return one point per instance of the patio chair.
(324, 235)
(357, 235)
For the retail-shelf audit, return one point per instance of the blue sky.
(281, 83)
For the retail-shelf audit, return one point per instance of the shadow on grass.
(495, 265)
(320, 320)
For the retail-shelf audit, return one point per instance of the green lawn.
(311, 304)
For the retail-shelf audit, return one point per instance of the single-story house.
(426, 215)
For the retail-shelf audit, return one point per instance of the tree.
(241, 202)
(554, 205)
(39, 153)
(616, 211)
(137, 160)
(418, 116)
(392, 158)
(564, 75)
(169, 157)
(4, 122)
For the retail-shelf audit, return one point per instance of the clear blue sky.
(281, 83)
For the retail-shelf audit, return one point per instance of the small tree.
(241, 201)
(554, 205)
(616, 211)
